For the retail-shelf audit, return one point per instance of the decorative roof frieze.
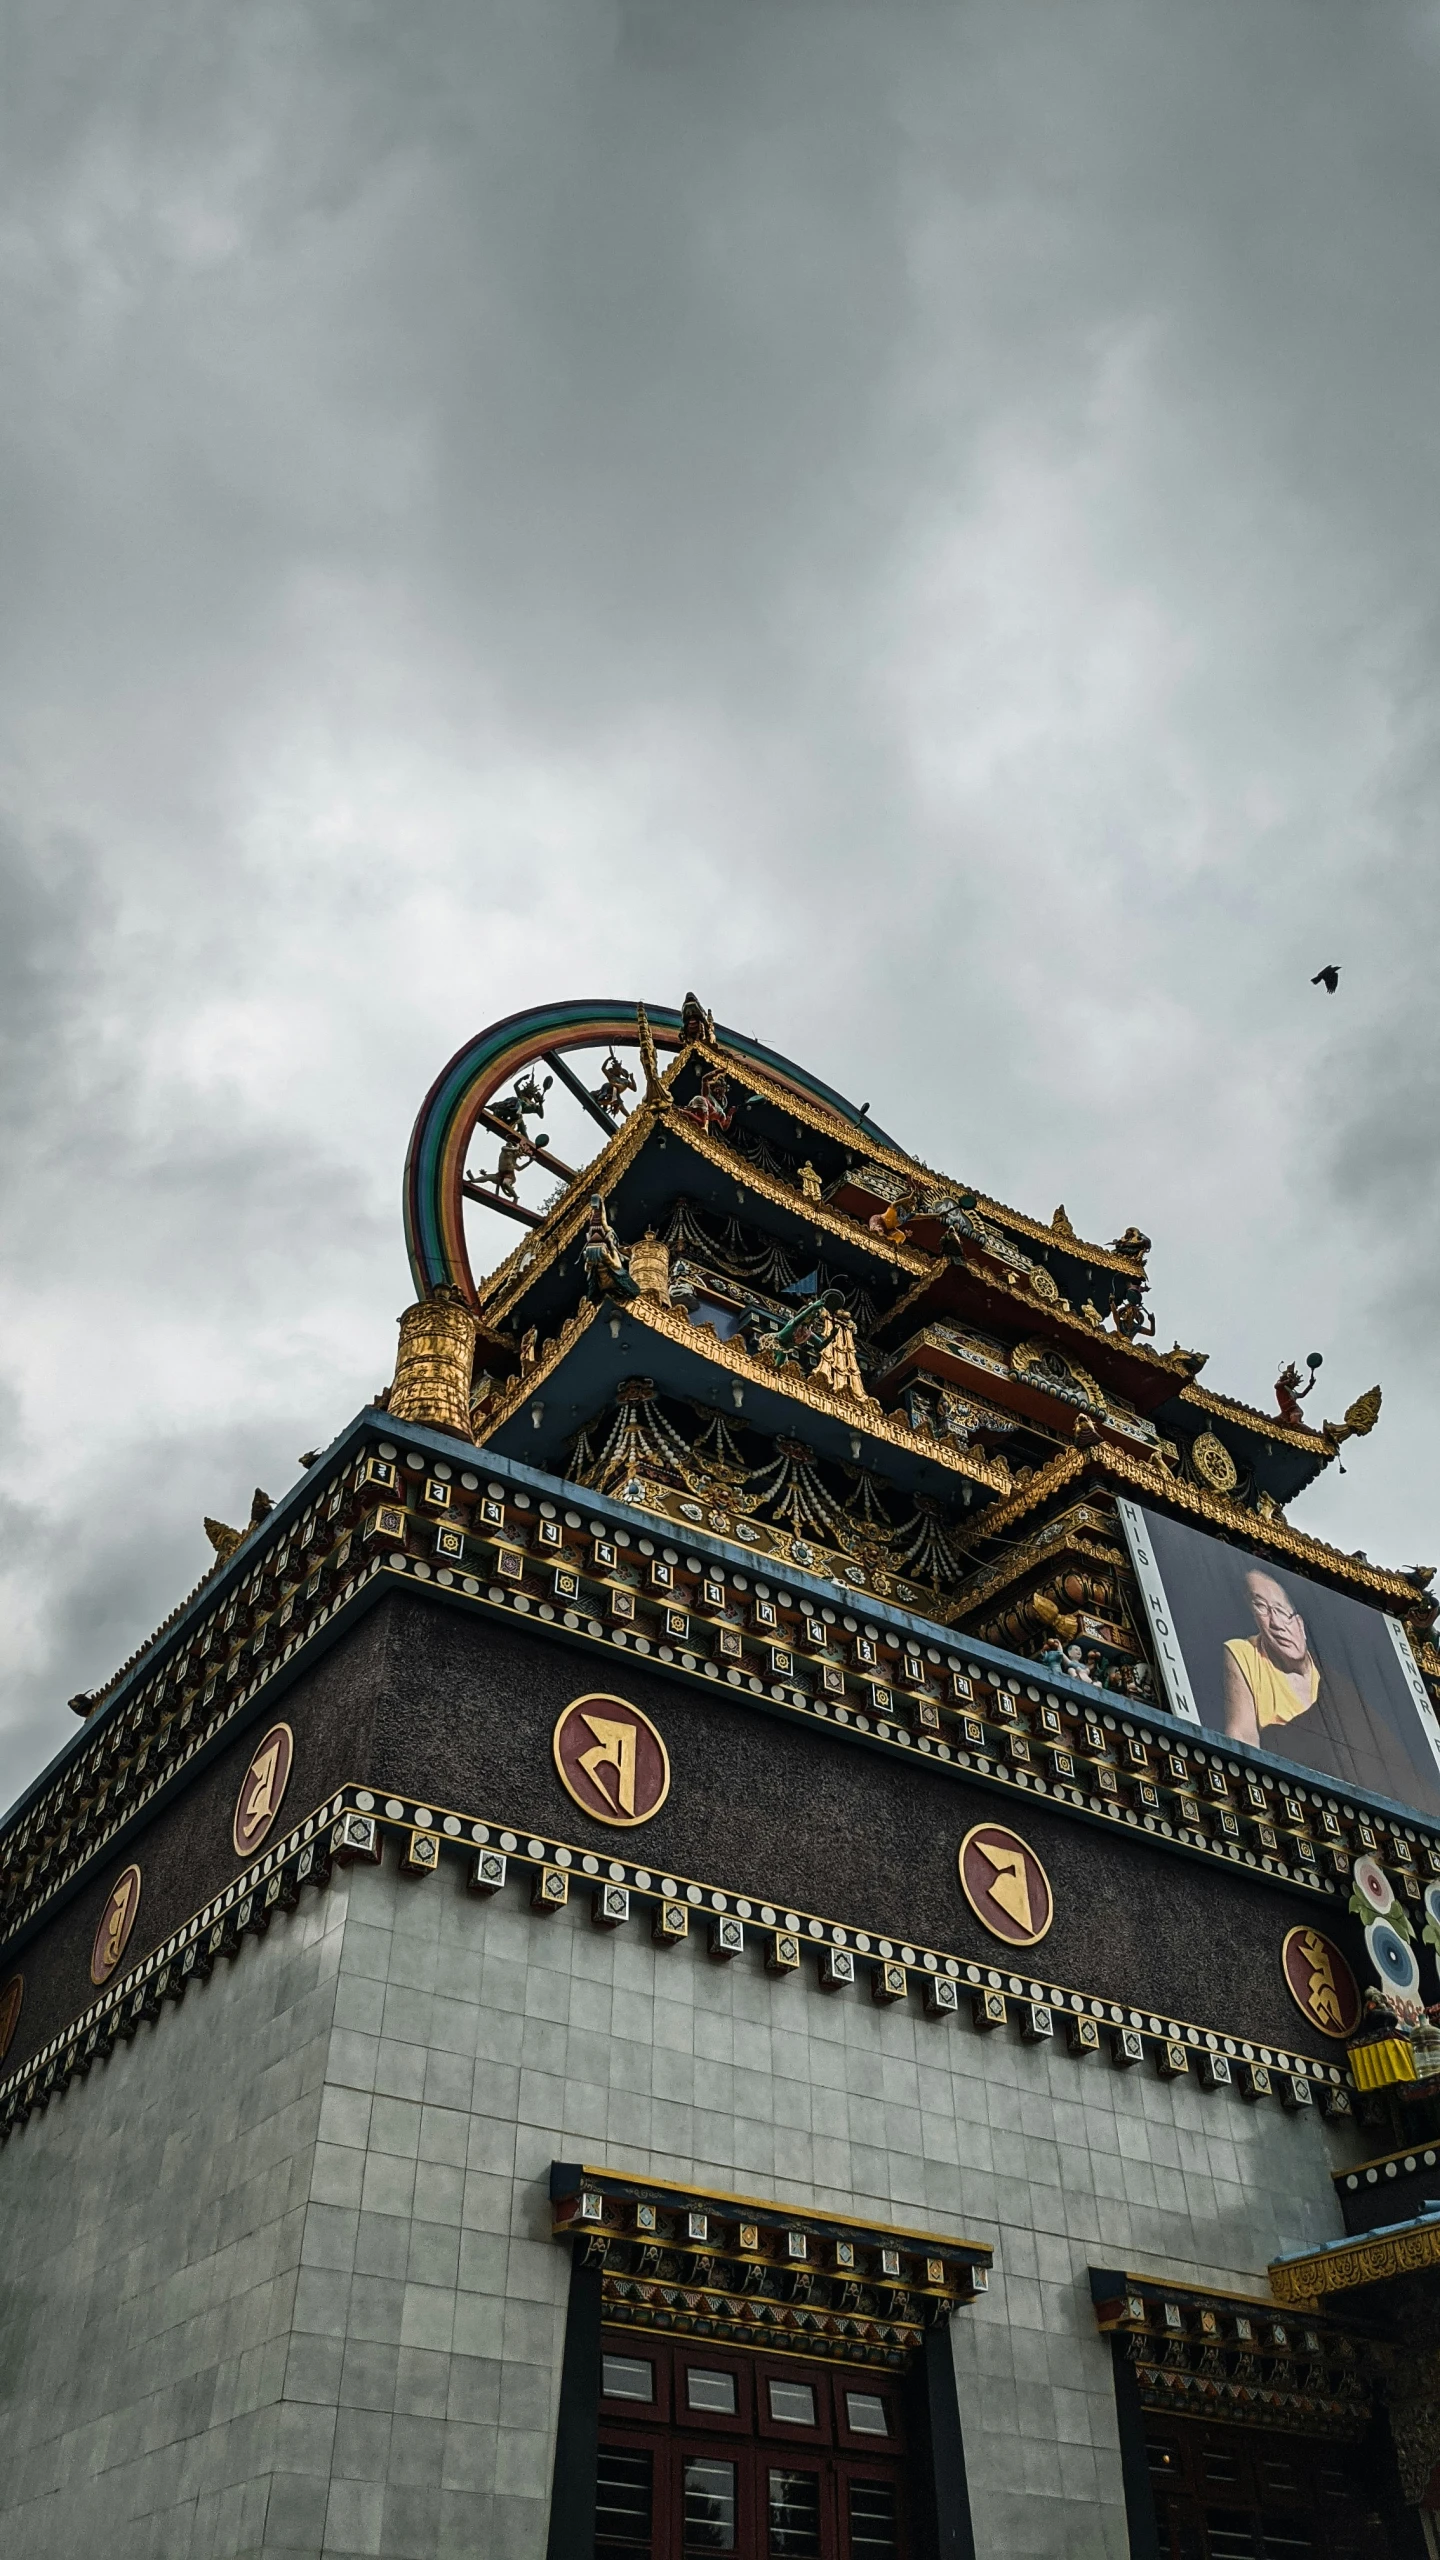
(1268, 1425)
(1155, 1484)
(859, 1414)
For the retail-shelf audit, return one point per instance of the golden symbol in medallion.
(116, 1922)
(262, 1788)
(1005, 1884)
(611, 1760)
(614, 1749)
(1008, 1888)
(1320, 1982)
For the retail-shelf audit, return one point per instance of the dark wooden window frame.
(936, 2491)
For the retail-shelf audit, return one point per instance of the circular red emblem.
(1005, 1885)
(10, 1999)
(1320, 1982)
(116, 1922)
(261, 1789)
(611, 1760)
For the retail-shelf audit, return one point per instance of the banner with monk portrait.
(1261, 1655)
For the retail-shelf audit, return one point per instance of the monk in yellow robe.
(1281, 1697)
(1272, 1676)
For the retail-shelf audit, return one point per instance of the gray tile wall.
(153, 2220)
(279, 2276)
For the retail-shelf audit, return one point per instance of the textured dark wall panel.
(787, 1814)
(426, 1700)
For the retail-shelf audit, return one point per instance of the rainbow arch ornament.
(440, 1140)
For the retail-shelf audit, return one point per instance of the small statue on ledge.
(516, 1153)
(683, 1292)
(1289, 1394)
(803, 1338)
(601, 1258)
(696, 1022)
(892, 1221)
(711, 1109)
(1132, 1317)
(528, 1096)
(617, 1082)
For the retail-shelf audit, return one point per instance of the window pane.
(709, 2505)
(624, 2503)
(711, 2391)
(794, 2402)
(1285, 2538)
(1279, 2478)
(865, 2414)
(873, 2530)
(627, 2378)
(794, 2515)
(1230, 2537)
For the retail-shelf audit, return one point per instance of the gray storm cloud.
(918, 520)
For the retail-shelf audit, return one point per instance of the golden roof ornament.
(1192, 1362)
(697, 1022)
(1360, 1418)
(654, 1090)
(838, 1366)
(434, 1362)
(650, 1266)
(1134, 1241)
(1213, 1463)
(225, 1540)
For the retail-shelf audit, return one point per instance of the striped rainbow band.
(439, 1142)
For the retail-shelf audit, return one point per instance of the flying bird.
(1328, 978)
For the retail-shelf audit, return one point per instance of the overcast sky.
(919, 521)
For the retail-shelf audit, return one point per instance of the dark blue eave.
(372, 1424)
(582, 1388)
(645, 1194)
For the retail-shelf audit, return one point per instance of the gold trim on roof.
(614, 1161)
(1067, 1531)
(1314, 1443)
(848, 1133)
(1155, 1483)
(531, 1256)
(813, 1212)
(1370, 2261)
(1026, 1302)
(744, 1071)
(857, 1413)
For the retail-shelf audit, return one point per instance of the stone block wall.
(279, 2277)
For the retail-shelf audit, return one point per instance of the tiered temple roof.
(999, 1386)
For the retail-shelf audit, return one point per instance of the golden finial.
(1360, 1418)
(654, 1091)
